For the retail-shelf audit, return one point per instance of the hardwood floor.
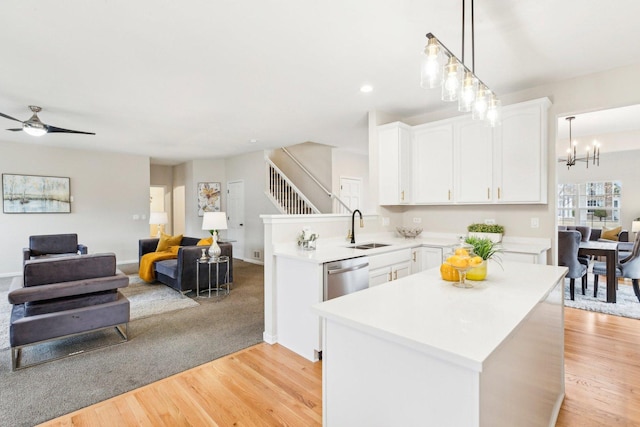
(602, 370)
(269, 385)
(263, 385)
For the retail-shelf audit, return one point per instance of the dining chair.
(628, 268)
(568, 246)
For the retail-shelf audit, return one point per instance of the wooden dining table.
(610, 251)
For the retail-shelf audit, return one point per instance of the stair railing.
(318, 183)
(284, 194)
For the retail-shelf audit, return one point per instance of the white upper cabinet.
(473, 156)
(520, 171)
(466, 162)
(394, 164)
(433, 164)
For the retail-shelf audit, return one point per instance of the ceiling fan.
(35, 127)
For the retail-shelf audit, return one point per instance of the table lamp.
(158, 218)
(214, 221)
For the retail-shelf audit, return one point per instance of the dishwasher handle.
(346, 269)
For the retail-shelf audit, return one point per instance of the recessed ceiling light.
(366, 88)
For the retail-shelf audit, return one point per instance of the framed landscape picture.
(35, 194)
(208, 197)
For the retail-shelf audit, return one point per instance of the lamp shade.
(635, 226)
(158, 218)
(214, 221)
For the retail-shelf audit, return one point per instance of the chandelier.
(441, 68)
(593, 152)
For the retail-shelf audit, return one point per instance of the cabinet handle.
(390, 279)
(449, 195)
(414, 256)
(498, 193)
(488, 193)
(402, 196)
(395, 275)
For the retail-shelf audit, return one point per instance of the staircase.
(284, 194)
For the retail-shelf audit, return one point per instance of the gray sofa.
(180, 273)
(59, 297)
(53, 245)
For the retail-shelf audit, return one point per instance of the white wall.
(201, 171)
(108, 190)
(250, 168)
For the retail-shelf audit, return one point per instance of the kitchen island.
(419, 351)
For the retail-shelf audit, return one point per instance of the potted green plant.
(493, 232)
(486, 249)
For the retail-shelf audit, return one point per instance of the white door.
(235, 217)
(350, 193)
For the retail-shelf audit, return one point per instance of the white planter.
(494, 237)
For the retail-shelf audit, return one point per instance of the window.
(591, 203)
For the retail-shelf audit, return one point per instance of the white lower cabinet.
(431, 257)
(389, 266)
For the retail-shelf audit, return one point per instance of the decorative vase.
(308, 245)
(479, 272)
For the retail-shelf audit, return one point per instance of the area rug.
(627, 304)
(145, 299)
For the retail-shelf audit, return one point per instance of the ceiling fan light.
(34, 129)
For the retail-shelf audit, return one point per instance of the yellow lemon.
(476, 260)
(462, 251)
(460, 261)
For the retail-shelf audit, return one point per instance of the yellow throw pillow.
(205, 242)
(166, 241)
(611, 233)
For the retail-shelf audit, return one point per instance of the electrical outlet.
(136, 217)
(417, 220)
(535, 223)
(385, 221)
(490, 221)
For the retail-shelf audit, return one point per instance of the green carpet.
(159, 346)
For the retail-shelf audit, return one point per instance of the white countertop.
(430, 315)
(329, 250)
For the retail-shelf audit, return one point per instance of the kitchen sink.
(369, 246)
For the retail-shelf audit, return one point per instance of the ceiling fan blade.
(10, 118)
(15, 130)
(53, 129)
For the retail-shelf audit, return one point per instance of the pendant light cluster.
(441, 68)
(593, 152)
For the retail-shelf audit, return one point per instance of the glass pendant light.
(494, 111)
(480, 104)
(451, 82)
(432, 62)
(467, 92)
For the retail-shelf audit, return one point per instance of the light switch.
(136, 217)
(535, 223)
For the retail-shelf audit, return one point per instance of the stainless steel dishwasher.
(345, 276)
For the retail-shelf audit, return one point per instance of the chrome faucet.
(353, 230)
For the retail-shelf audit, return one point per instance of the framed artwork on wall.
(208, 197)
(35, 194)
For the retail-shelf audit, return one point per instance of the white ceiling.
(178, 80)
